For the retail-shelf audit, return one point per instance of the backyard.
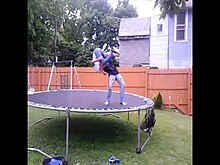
(94, 137)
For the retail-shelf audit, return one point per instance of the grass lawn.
(94, 137)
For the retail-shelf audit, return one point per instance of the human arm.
(101, 69)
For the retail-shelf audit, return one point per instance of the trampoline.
(86, 101)
(89, 101)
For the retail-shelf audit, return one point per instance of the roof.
(134, 27)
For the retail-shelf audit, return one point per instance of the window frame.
(161, 25)
(186, 28)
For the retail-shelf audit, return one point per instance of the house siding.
(180, 53)
(159, 43)
(134, 52)
(158, 49)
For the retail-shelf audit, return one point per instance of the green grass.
(93, 138)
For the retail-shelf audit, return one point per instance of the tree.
(42, 17)
(98, 24)
(71, 29)
(125, 10)
(169, 7)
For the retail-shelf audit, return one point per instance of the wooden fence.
(175, 85)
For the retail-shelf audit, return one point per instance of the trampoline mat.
(86, 99)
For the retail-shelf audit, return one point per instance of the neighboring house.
(159, 42)
(134, 34)
(180, 38)
(171, 40)
(165, 43)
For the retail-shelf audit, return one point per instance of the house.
(134, 41)
(163, 43)
(180, 38)
(171, 40)
(159, 42)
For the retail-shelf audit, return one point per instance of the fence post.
(146, 82)
(189, 92)
(39, 79)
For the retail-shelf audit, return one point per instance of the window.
(181, 26)
(159, 27)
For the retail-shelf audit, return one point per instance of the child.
(100, 59)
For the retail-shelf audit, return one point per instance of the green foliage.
(169, 7)
(81, 25)
(125, 10)
(158, 101)
(42, 15)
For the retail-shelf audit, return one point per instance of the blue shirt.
(110, 68)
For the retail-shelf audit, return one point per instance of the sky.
(145, 8)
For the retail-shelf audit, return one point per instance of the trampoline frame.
(148, 105)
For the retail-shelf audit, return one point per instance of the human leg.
(107, 59)
(96, 66)
(121, 83)
(110, 85)
(97, 52)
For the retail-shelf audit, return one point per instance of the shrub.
(158, 101)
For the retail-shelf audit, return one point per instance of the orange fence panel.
(175, 85)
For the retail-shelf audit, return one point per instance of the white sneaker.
(123, 103)
(107, 103)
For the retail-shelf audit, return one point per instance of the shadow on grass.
(88, 128)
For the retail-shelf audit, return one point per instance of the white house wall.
(159, 43)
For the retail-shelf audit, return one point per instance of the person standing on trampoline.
(107, 66)
(114, 75)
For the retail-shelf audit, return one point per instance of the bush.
(158, 101)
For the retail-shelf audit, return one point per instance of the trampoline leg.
(67, 133)
(150, 134)
(138, 149)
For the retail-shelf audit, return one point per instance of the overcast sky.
(145, 8)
